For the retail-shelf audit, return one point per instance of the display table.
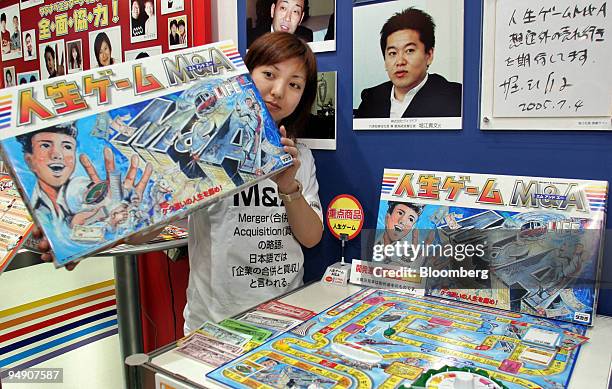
(590, 371)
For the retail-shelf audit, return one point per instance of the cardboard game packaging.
(108, 153)
(526, 244)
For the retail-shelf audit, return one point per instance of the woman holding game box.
(240, 235)
(246, 249)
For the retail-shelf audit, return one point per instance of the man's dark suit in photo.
(304, 33)
(437, 98)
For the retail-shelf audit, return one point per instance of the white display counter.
(591, 370)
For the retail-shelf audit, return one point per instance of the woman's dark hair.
(78, 58)
(102, 37)
(142, 55)
(275, 47)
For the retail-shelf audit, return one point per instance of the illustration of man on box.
(400, 220)
(76, 201)
(407, 43)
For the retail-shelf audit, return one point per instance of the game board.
(538, 239)
(105, 154)
(384, 339)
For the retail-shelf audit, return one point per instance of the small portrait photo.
(24, 4)
(28, 77)
(10, 32)
(408, 64)
(29, 45)
(145, 52)
(74, 49)
(143, 20)
(321, 125)
(170, 6)
(311, 20)
(105, 47)
(52, 59)
(177, 32)
(9, 76)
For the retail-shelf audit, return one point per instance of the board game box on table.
(104, 154)
(532, 244)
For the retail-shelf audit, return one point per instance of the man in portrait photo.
(407, 42)
(280, 15)
(29, 51)
(5, 35)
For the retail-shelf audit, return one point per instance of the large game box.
(105, 154)
(526, 244)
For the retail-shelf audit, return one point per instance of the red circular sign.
(345, 216)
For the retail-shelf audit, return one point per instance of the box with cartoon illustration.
(527, 244)
(102, 155)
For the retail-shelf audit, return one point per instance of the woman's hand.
(285, 180)
(45, 248)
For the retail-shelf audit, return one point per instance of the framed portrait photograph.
(143, 20)
(10, 32)
(170, 6)
(24, 4)
(28, 77)
(9, 76)
(311, 20)
(321, 133)
(29, 45)
(177, 32)
(105, 47)
(142, 53)
(74, 51)
(408, 65)
(52, 59)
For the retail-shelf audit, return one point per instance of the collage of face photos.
(52, 59)
(10, 33)
(143, 20)
(170, 6)
(28, 77)
(74, 50)
(24, 4)
(321, 126)
(105, 47)
(311, 20)
(407, 65)
(29, 45)
(142, 53)
(177, 32)
(9, 76)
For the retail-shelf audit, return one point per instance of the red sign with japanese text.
(43, 39)
(345, 216)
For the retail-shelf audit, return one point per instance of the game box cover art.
(525, 244)
(105, 154)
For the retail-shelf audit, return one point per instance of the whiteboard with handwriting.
(552, 59)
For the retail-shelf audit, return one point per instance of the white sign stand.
(339, 272)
